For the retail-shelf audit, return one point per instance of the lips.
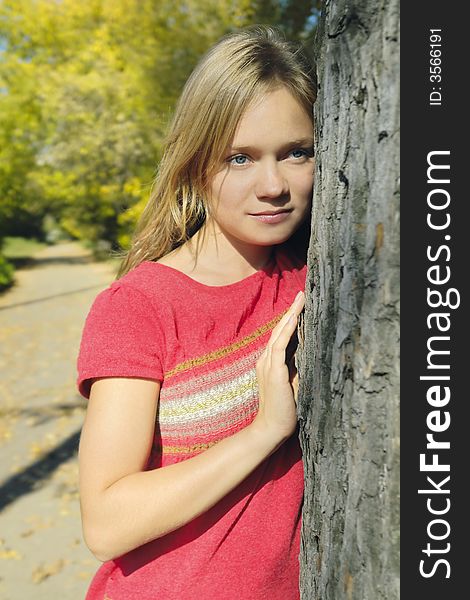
(272, 217)
(272, 212)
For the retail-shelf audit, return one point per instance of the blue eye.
(239, 159)
(301, 153)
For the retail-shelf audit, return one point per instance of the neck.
(218, 251)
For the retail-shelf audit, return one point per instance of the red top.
(202, 342)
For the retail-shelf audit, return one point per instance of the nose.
(271, 182)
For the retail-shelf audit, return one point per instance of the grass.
(19, 248)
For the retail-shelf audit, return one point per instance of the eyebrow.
(308, 141)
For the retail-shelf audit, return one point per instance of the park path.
(42, 554)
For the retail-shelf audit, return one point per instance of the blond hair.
(236, 71)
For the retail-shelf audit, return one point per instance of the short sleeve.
(122, 337)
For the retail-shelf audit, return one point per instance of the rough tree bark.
(348, 356)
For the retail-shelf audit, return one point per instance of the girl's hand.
(278, 387)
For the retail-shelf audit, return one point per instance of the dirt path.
(42, 554)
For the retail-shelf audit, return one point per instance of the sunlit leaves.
(86, 90)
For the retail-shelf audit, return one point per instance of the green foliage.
(17, 248)
(86, 90)
(6, 273)
(296, 17)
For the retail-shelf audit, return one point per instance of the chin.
(278, 237)
(272, 240)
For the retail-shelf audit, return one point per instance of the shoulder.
(150, 290)
(134, 300)
(140, 278)
(148, 280)
(123, 334)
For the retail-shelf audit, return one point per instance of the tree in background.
(297, 18)
(348, 396)
(86, 90)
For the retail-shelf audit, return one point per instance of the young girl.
(190, 468)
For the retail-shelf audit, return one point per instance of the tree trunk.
(348, 356)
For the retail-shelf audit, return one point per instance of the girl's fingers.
(278, 348)
(287, 323)
(293, 312)
(275, 351)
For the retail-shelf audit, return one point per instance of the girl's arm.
(124, 507)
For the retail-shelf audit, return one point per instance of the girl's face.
(263, 190)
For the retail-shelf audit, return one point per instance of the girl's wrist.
(264, 439)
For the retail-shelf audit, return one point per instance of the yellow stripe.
(187, 449)
(221, 352)
(189, 406)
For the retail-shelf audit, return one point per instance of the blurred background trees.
(86, 91)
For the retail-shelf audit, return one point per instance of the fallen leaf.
(27, 533)
(10, 555)
(42, 572)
